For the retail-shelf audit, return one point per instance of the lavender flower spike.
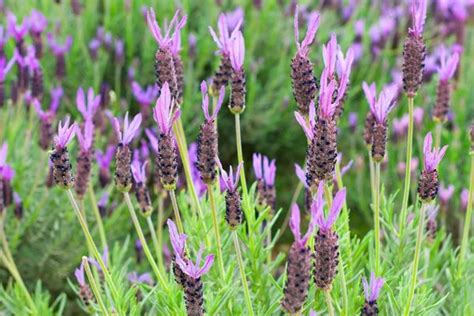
(238, 83)
(141, 190)
(231, 179)
(265, 171)
(130, 130)
(443, 92)
(85, 137)
(65, 134)
(79, 274)
(313, 25)
(224, 41)
(163, 113)
(167, 39)
(234, 214)
(418, 14)
(237, 52)
(85, 293)
(448, 66)
(371, 292)
(59, 49)
(89, 108)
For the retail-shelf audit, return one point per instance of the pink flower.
(153, 140)
(418, 15)
(432, 156)
(448, 66)
(205, 102)
(230, 179)
(136, 278)
(237, 51)
(372, 290)
(17, 31)
(37, 22)
(65, 134)
(327, 104)
(178, 241)
(129, 130)
(86, 136)
(381, 106)
(194, 270)
(162, 113)
(79, 274)
(201, 187)
(313, 25)
(264, 169)
(173, 30)
(224, 40)
(139, 172)
(325, 224)
(104, 159)
(90, 108)
(295, 225)
(330, 56)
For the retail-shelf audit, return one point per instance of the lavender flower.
(233, 207)
(141, 191)
(224, 43)
(445, 194)
(135, 278)
(102, 204)
(123, 155)
(208, 138)
(103, 161)
(431, 226)
(88, 109)
(85, 293)
(18, 206)
(304, 83)
(265, 171)
(200, 186)
(144, 97)
(371, 292)
(298, 268)
(94, 46)
(238, 85)
(59, 50)
(4, 69)
(193, 287)
(178, 242)
(84, 158)
(326, 242)
(6, 174)
(62, 168)
(464, 199)
(3, 40)
(443, 93)
(17, 31)
(428, 182)
(37, 24)
(119, 57)
(167, 157)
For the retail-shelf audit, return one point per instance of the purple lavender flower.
(234, 17)
(233, 214)
(130, 130)
(3, 40)
(85, 136)
(163, 113)
(224, 40)
(141, 191)
(144, 97)
(4, 69)
(103, 161)
(428, 183)
(418, 14)
(464, 198)
(85, 293)
(94, 46)
(201, 187)
(59, 50)
(178, 242)
(371, 292)
(105, 259)
(445, 193)
(80, 276)
(89, 108)
(102, 204)
(37, 24)
(65, 134)
(135, 278)
(238, 85)
(62, 169)
(119, 52)
(265, 171)
(18, 206)
(443, 93)
(17, 31)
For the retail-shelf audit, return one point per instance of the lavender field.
(236, 157)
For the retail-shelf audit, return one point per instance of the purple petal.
(295, 222)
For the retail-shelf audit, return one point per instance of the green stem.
(438, 130)
(117, 82)
(147, 251)
(294, 199)
(94, 286)
(240, 159)
(327, 296)
(177, 216)
(467, 220)
(98, 218)
(414, 272)
(155, 242)
(216, 230)
(406, 188)
(377, 218)
(248, 301)
(93, 247)
(159, 230)
(372, 175)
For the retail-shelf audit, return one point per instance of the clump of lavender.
(164, 61)
(428, 183)
(326, 245)
(47, 117)
(62, 168)
(265, 171)
(144, 97)
(123, 154)
(167, 156)
(238, 85)
(59, 51)
(379, 107)
(224, 41)
(305, 85)
(103, 161)
(37, 24)
(178, 242)
(208, 151)
(298, 269)
(141, 191)
(443, 93)
(431, 226)
(193, 287)
(414, 49)
(85, 293)
(371, 293)
(233, 206)
(4, 69)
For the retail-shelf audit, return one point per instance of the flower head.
(448, 66)
(224, 41)
(162, 113)
(327, 104)
(139, 172)
(178, 241)
(65, 134)
(418, 15)
(295, 225)
(79, 274)
(325, 224)
(17, 31)
(173, 30)
(205, 102)
(372, 290)
(87, 109)
(104, 159)
(144, 96)
(432, 156)
(237, 51)
(57, 48)
(86, 136)
(129, 130)
(195, 270)
(230, 179)
(37, 22)
(264, 169)
(381, 106)
(313, 25)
